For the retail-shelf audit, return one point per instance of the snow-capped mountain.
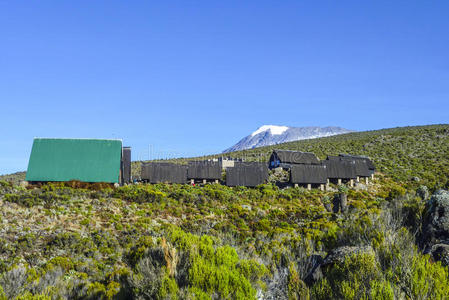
(272, 134)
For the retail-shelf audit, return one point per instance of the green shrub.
(351, 279)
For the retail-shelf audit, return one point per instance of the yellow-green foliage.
(202, 242)
(2, 294)
(428, 280)
(169, 288)
(353, 278)
(218, 269)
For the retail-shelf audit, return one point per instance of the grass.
(190, 242)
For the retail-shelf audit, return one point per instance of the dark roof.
(337, 168)
(164, 172)
(363, 165)
(249, 174)
(304, 174)
(295, 157)
(362, 169)
(88, 160)
(366, 159)
(204, 170)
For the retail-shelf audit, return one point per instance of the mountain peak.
(267, 135)
(274, 129)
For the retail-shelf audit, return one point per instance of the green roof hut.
(86, 160)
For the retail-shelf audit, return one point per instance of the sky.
(188, 78)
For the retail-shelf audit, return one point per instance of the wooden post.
(366, 180)
(339, 181)
(309, 186)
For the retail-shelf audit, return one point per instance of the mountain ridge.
(268, 135)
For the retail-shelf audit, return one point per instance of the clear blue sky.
(193, 77)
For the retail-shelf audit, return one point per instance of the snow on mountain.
(274, 129)
(273, 134)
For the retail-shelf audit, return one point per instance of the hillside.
(401, 153)
(385, 240)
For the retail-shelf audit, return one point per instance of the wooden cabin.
(339, 170)
(364, 167)
(309, 175)
(286, 158)
(204, 171)
(164, 173)
(248, 174)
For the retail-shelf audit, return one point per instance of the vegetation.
(403, 153)
(215, 242)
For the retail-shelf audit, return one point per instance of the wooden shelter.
(287, 158)
(249, 174)
(164, 172)
(337, 168)
(204, 170)
(308, 174)
(364, 167)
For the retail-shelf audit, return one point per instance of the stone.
(316, 273)
(440, 252)
(423, 192)
(339, 254)
(436, 220)
(245, 206)
(23, 183)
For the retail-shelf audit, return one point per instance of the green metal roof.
(88, 160)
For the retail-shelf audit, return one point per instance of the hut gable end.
(305, 174)
(247, 174)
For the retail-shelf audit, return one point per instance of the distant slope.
(14, 178)
(401, 153)
(272, 134)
